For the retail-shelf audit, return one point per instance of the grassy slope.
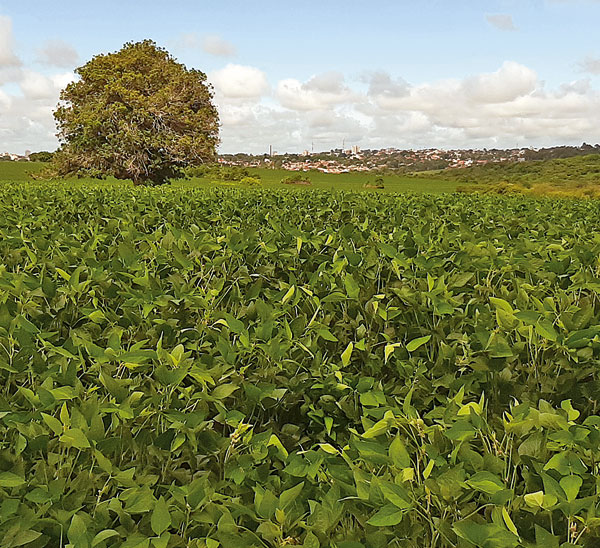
(20, 171)
(578, 176)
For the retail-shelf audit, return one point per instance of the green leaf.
(395, 494)
(8, 479)
(545, 539)
(311, 541)
(509, 522)
(534, 499)
(572, 414)
(140, 500)
(328, 448)
(486, 482)
(25, 537)
(498, 347)
(461, 430)
(347, 354)
(160, 520)
(163, 541)
(327, 335)
(54, 424)
(546, 330)
(389, 349)
(417, 343)
(77, 531)
(502, 304)
(103, 462)
(428, 468)
(38, 495)
(388, 516)
(224, 391)
(289, 294)
(290, 495)
(352, 287)
(571, 486)
(74, 437)
(104, 535)
(380, 427)
(488, 535)
(399, 454)
(97, 316)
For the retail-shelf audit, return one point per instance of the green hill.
(578, 176)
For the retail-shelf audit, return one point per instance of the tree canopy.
(136, 114)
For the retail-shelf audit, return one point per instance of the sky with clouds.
(384, 73)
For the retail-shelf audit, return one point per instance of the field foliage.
(255, 368)
(579, 177)
(269, 178)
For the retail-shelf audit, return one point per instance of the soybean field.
(220, 367)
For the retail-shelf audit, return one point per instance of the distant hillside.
(576, 176)
(19, 171)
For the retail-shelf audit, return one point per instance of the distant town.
(354, 159)
(398, 160)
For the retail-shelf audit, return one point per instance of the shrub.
(296, 179)
(250, 181)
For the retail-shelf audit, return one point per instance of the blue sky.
(384, 73)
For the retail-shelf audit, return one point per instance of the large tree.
(136, 114)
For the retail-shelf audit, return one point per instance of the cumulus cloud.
(591, 65)
(58, 53)
(501, 21)
(239, 82)
(381, 84)
(319, 92)
(499, 108)
(212, 44)
(188, 40)
(37, 86)
(26, 123)
(216, 45)
(8, 58)
(509, 82)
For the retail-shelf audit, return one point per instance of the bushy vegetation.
(219, 173)
(256, 368)
(378, 183)
(250, 181)
(579, 176)
(43, 156)
(296, 178)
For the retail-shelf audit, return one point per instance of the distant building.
(355, 149)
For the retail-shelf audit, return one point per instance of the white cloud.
(37, 86)
(26, 120)
(239, 82)
(500, 108)
(510, 81)
(215, 45)
(188, 40)
(591, 65)
(501, 21)
(212, 44)
(8, 58)
(381, 85)
(320, 92)
(58, 53)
